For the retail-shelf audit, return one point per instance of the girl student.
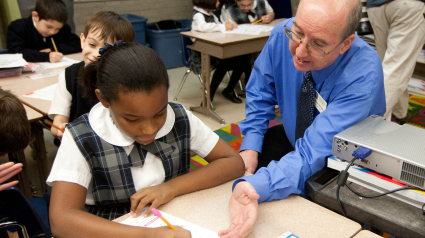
(247, 11)
(132, 149)
(204, 20)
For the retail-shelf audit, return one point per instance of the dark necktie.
(305, 107)
(251, 14)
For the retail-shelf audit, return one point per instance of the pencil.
(51, 124)
(54, 45)
(257, 21)
(227, 17)
(158, 214)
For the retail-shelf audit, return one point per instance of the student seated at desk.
(247, 11)
(204, 20)
(33, 36)
(68, 102)
(15, 134)
(131, 150)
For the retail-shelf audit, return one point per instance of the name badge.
(320, 103)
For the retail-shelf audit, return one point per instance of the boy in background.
(32, 36)
(15, 134)
(68, 102)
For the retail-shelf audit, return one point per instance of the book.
(378, 182)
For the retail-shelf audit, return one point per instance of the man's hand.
(250, 158)
(243, 208)
(47, 50)
(55, 57)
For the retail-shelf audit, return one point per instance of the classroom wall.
(153, 10)
(9, 11)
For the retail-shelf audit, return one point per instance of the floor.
(190, 95)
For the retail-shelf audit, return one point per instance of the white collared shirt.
(35, 25)
(70, 165)
(199, 23)
(61, 103)
(225, 13)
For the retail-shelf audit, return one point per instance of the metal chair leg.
(182, 83)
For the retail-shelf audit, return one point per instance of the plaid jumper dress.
(110, 166)
(241, 17)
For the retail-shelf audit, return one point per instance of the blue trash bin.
(139, 25)
(167, 43)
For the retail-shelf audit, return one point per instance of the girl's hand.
(266, 19)
(59, 133)
(155, 195)
(166, 231)
(230, 26)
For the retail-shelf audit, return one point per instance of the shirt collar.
(202, 11)
(35, 25)
(101, 122)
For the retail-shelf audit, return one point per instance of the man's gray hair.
(353, 21)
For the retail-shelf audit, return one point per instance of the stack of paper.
(378, 182)
(249, 29)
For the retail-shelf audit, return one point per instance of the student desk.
(384, 213)
(209, 209)
(366, 234)
(222, 46)
(36, 109)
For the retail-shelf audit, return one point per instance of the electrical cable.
(342, 177)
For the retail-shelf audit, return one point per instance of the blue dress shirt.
(353, 88)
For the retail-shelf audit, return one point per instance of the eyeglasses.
(313, 47)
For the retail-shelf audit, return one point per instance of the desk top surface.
(366, 234)
(209, 209)
(21, 85)
(223, 39)
(32, 114)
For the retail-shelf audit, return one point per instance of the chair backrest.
(14, 206)
(185, 51)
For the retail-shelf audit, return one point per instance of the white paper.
(249, 29)
(44, 74)
(11, 61)
(153, 221)
(46, 93)
(64, 62)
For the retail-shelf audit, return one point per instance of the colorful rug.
(230, 134)
(416, 113)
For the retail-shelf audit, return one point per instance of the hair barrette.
(108, 46)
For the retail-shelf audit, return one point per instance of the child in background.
(131, 150)
(247, 11)
(32, 36)
(204, 20)
(15, 134)
(68, 103)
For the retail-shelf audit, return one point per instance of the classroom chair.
(31, 215)
(185, 41)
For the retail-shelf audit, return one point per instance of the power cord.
(362, 153)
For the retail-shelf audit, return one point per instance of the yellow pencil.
(257, 21)
(54, 45)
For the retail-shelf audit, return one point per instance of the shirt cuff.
(260, 183)
(252, 141)
(70, 177)
(57, 111)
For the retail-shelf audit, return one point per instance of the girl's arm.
(224, 165)
(68, 218)
(199, 24)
